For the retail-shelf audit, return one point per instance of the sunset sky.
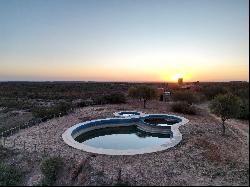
(124, 40)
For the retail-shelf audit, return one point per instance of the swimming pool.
(125, 136)
(122, 138)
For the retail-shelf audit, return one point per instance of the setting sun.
(177, 76)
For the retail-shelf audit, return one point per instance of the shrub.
(244, 110)
(211, 91)
(9, 175)
(183, 107)
(50, 169)
(14, 103)
(186, 96)
(113, 98)
(48, 112)
(225, 106)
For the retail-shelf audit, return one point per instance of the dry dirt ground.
(203, 157)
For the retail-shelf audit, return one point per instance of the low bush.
(244, 110)
(9, 175)
(184, 108)
(186, 96)
(50, 168)
(212, 90)
(113, 98)
(49, 112)
(17, 104)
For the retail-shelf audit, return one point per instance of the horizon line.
(122, 81)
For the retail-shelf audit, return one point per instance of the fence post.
(4, 139)
(35, 147)
(14, 143)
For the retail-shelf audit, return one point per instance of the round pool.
(125, 136)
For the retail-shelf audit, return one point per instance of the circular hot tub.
(124, 114)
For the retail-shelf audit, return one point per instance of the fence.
(28, 124)
(22, 145)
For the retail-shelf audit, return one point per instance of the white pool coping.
(177, 137)
(117, 114)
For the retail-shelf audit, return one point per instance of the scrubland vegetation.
(46, 100)
(50, 168)
(9, 175)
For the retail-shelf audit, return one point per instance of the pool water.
(122, 138)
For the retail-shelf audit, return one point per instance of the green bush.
(186, 96)
(113, 98)
(14, 103)
(212, 90)
(225, 106)
(9, 175)
(49, 112)
(50, 168)
(183, 107)
(244, 110)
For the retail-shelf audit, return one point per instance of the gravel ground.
(203, 157)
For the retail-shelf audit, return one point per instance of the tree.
(225, 106)
(144, 93)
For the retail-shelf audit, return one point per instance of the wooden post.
(14, 143)
(4, 140)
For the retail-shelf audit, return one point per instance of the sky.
(124, 40)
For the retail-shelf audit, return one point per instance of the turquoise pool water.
(122, 138)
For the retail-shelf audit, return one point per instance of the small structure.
(165, 96)
(163, 93)
(180, 81)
